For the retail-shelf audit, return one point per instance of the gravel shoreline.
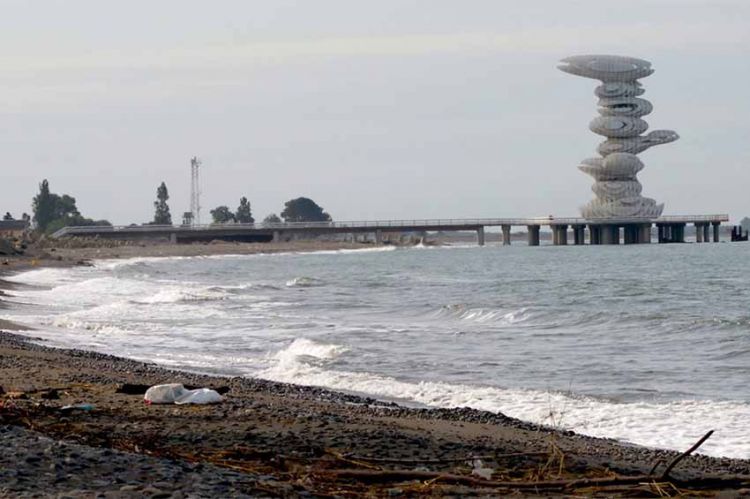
(266, 438)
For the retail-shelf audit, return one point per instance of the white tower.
(195, 190)
(617, 189)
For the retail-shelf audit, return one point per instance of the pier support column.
(378, 237)
(506, 234)
(480, 236)
(716, 231)
(595, 234)
(610, 234)
(645, 234)
(559, 235)
(276, 236)
(698, 233)
(578, 234)
(630, 234)
(670, 233)
(659, 233)
(678, 233)
(173, 238)
(706, 234)
(533, 235)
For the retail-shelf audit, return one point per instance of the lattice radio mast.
(195, 190)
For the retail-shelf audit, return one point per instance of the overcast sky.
(375, 109)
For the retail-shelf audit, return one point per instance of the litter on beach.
(77, 407)
(176, 393)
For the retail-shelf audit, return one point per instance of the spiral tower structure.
(616, 186)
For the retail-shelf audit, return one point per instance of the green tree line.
(53, 211)
(301, 209)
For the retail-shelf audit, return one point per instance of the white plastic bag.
(164, 394)
(175, 393)
(200, 396)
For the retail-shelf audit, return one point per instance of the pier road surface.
(600, 231)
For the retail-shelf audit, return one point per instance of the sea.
(646, 344)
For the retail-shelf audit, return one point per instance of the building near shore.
(13, 228)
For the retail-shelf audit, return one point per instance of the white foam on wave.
(303, 282)
(181, 294)
(673, 425)
(345, 251)
(484, 315)
(82, 291)
(110, 264)
(104, 328)
(289, 357)
(116, 263)
(49, 276)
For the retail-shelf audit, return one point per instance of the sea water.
(648, 344)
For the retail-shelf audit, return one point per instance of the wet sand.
(281, 440)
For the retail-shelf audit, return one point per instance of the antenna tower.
(195, 190)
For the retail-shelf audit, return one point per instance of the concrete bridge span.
(600, 231)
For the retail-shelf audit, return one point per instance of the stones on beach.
(34, 465)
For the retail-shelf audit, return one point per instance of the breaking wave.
(307, 362)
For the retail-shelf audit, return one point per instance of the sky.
(395, 109)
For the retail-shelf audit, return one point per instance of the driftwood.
(685, 454)
(442, 461)
(380, 476)
(373, 476)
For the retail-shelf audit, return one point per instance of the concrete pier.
(506, 234)
(601, 231)
(533, 231)
(631, 234)
(698, 233)
(579, 234)
(610, 234)
(645, 234)
(559, 235)
(595, 234)
(677, 233)
(480, 236)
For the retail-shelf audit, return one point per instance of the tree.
(53, 212)
(161, 208)
(44, 206)
(222, 215)
(304, 210)
(65, 206)
(244, 215)
(8, 216)
(273, 218)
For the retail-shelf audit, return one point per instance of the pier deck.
(600, 231)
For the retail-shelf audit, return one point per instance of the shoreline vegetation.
(281, 440)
